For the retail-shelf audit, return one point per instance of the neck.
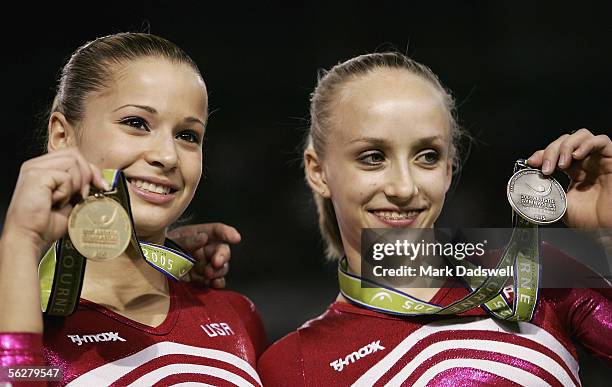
(158, 239)
(123, 282)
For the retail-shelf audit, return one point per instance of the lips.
(153, 190)
(396, 218)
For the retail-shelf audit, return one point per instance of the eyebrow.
(369, 140)
(143, 107)
(153, 111)
(427, 140)
(194, 119)
(381, 141)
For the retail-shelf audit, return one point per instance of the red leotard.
(351, 345)
(209, 336)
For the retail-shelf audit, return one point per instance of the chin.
(150, 226)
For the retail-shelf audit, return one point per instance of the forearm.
(19, 288)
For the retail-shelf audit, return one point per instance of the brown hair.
(321, 100)
(91, 66)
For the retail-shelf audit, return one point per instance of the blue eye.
(135, 122)
(372, 158)
(430, 158)
(189, 136)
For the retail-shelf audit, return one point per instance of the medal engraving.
(537, 198)
(99, 228)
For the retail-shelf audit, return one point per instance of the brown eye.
(135, 122)
(189, 136)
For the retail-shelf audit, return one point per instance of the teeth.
(395, 215)
(160, 189)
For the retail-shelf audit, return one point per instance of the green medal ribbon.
(522, 252)
(62, 268)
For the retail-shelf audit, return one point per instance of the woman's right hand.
(38, 215)
(44, 196)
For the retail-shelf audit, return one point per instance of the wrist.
(23, 243)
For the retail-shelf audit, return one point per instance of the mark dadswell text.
(430, 271)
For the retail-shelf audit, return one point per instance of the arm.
(37, 215)
(590, 316)
(19, 291)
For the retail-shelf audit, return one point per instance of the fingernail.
(546, 166)
(562, 160)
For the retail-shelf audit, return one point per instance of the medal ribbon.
(62, 268)
(522, 252)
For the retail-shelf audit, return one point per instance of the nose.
(161, 152)
(400, 186)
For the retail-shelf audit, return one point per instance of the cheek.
(434, 185)
(192, 169)
(98, 156)
(104, 150)
(352, 189)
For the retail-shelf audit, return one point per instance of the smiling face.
(387, 160)
(150, 123)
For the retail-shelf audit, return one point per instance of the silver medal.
(537, 198)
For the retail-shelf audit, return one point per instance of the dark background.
(522, 74)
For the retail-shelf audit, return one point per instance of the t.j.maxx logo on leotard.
(352, 357)
(100, 337)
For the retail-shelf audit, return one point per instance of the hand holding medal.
(99, 228)
(47, 189)
(587, 160)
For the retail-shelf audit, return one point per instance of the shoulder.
(570, 286)
(236, 301)
(239, 303)
(573, 305)
(248, 315)
(282, 363)
(242, 304)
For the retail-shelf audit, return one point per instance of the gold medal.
(99, 228)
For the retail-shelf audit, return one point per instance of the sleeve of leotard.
(589, 314)
(19, 349)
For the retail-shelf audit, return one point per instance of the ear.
(61, 132)
(315, 175)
